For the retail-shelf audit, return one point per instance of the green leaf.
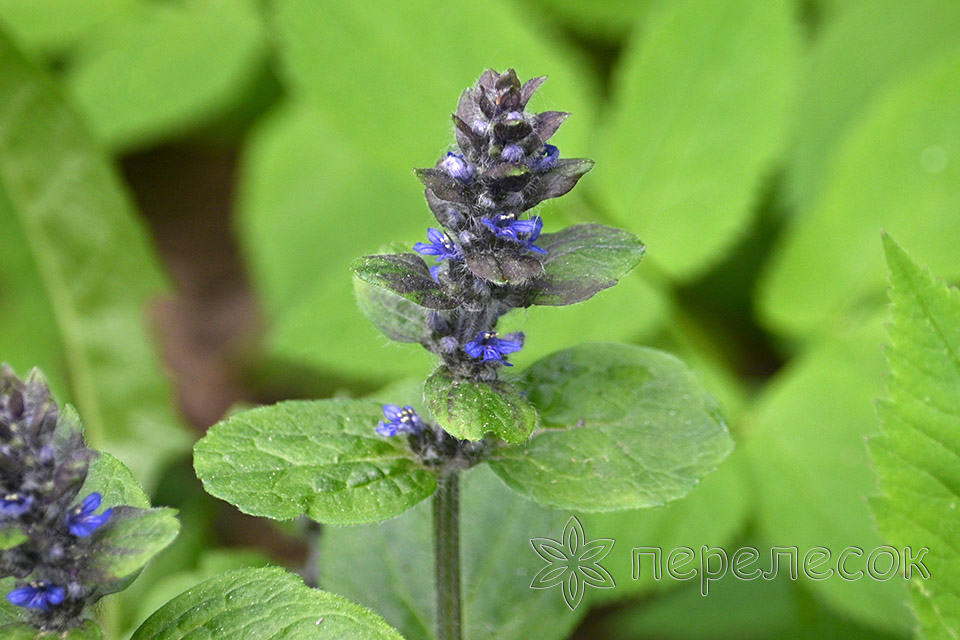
(89, 631)
(608, 21)
(135, 533)
(408, 98)
(405, 274)
(300, 181)
(626, 428)
(114, 482)
(917, 457)
(322, 458)
(92, 259)
(54, 25)
(397, 317)
(131, 538)
(10, 537)
(386, 566)
(262, 604)
(470, 410)
(697, 123)
(584, 259)
(713, 514)
(639, 307)
(158, 69)
(870, 47)
(811, 470)
(896, 172)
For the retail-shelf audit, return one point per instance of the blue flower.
(14, 505)
(506, 225)
(399, 420)
(440, 245)
(547, 160)
(490, 346)
(82, 522)
(37, 595)
(457, 167)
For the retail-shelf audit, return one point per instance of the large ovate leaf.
(698, 119)
(713, 514)
(302, 183)
(262, 604)
(811, 470)
(868, 48)
(584, 259)
(386, 567)
(93, 265)
(407, 275)
(320, 458)
(158, 68)
(917, 457)
(470, 410)
(403, 79)
(624, 428)
(896, 171)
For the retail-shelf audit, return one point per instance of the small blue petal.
(81, 521)
(37, 595)
(14, 505)
(547, 159)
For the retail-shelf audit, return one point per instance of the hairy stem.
(446, 534)
(311, 570)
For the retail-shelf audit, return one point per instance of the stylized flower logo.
(572, 564)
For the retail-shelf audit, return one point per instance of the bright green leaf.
(301, 181)
(806, 448)
(10, 537)
(323, 458)
(114, 482)
(387, 567)
(626, 428)
(870, 47)
(698, 120)
(262, 604)
(395, 96)
(898, 171)
(470, 410)
(94, 264)
(713, 514)
(917, 457)
(56, 24)
(162, 67)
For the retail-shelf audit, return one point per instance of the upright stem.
(311, 572)
(446, 538)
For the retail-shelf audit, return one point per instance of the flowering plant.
(621, 426)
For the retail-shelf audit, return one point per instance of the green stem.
(446, 538)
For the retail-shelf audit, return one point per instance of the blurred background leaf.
(84, 253)
(896, 170)
(682, 150)
(159, 68)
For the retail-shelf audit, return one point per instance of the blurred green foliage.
(756, 146)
